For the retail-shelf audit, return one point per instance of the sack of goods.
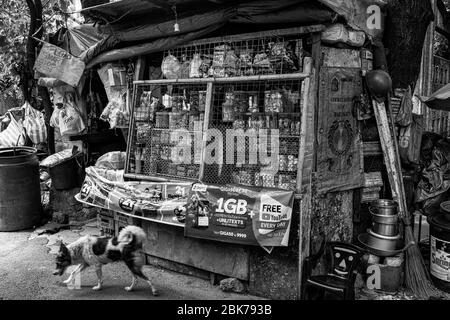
(34, 124)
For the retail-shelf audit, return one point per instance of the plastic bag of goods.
(70, 120)
(171, 67)
(56, 158)
(112, 160)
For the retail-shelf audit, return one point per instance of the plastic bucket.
(440, 251)
(69, 173)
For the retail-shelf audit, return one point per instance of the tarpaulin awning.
(151, 29)
(439, 100)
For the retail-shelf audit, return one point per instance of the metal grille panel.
(252, 118)
(167, 130)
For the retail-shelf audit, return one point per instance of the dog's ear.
(62, 248)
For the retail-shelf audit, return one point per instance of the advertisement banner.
(239, 214)
(57, 63)
(160, 202)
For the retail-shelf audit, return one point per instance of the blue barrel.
(20, 194)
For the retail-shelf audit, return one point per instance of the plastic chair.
(340, 279)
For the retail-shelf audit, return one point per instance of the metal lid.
(445, 206)
(439, 220)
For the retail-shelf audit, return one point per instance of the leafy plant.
(14, 26)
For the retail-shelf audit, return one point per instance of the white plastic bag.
(70, 120)
(195, 66)
(112, 160)
(13, 135)
(171, 67)
(34, 124)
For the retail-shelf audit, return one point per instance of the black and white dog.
(97, 251)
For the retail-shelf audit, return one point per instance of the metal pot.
(389, 230)
(384, 207)
(380, 242)
(385, 225)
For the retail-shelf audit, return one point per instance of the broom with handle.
(416, 276)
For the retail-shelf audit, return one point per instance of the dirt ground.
(27, 262)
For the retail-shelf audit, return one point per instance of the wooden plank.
(169, 243)
(309, 164)
(306, 84)
(341, 58)
(139, 69)
(390, 157)
(263, 77)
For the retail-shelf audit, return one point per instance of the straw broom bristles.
(417, 279)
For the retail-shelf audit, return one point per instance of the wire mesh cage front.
(224, 57)
(255, 127)
(167, 130)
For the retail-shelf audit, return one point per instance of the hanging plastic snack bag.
(230, 63)
(245, 62)
(34, 124)
(195, 66)
(70, 120)
(110, 112)
(185, 68)
(170, 67)
(206, 65)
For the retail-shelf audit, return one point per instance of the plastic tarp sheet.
(79, 39)
(439, 100)
(359, 14)
(131, 38)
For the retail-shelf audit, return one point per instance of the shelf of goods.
(231, 112)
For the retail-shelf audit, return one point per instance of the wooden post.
(307, 156)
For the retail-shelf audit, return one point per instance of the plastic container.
(440, 251)
(20, 193)
(69, 173)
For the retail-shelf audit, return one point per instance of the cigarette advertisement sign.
(239, 214)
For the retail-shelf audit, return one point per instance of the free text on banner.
(239, 214)
(57, 63)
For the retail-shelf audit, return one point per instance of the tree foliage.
(14, 26)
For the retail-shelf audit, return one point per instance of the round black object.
(445, 209)
(440, 251)
(379, 83)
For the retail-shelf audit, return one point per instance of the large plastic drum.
(20, 195)
(440, 251)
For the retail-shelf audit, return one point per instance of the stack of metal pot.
(384, 234)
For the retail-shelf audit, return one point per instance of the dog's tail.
(130, 233)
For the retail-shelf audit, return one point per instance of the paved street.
(26, 265)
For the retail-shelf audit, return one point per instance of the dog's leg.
(138, 272)
(98, 270)
(133, 283)
(79, 268)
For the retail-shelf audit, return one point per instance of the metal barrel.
(20, 194)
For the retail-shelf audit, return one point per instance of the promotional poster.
(239, 214)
